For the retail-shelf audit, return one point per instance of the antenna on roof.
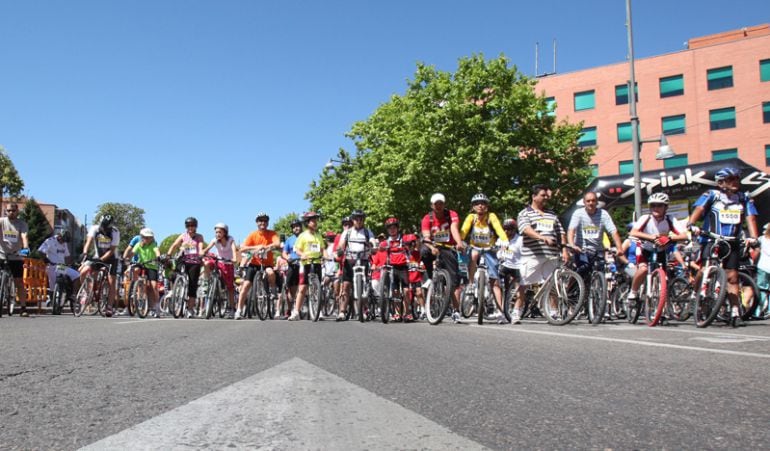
(554, 55)
(537, 57)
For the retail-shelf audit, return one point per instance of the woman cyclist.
(190, 243)
(225, 248)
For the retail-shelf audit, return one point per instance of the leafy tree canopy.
(127, 218)
(37, 224)
(283, 224)
(11, 183)
(482, 128)
(167, 242)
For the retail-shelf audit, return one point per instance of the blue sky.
(221, 109)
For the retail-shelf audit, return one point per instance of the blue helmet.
(726, 173)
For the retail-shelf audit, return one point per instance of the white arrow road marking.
(294, 405)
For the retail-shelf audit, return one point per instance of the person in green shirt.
(147, 253)
(309, 246)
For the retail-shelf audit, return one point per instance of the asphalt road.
(69, 382)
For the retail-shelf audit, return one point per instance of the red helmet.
(310, 215)
(330, 235)
(409, 238)
(391, 221)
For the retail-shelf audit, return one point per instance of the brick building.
(59, 219)
(712, 101)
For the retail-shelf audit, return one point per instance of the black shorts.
(733, 259)
(307, 269)
(646, 257)
(400, 275)
(347, 269)
(513, 273)
(251, 270)
(17, 268)
(112, 262)
(292, 275)
(447, 260)
(193, 274)
(152, 274)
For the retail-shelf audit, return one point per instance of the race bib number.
(315, 248)
(730, 216)
(590, 232)
(441, 236)
(507, 254)
(61, 270)
(544, 225)
(190, 250)
(10, 236)
(103, 242)
(480, 237)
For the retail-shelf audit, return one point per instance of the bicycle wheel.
(597, 297)
(481, 298)
(566, 295)
(85, 296)
(679, 293)
(262, 299)
(710, 296)
(131, 302)
(314, 297)
(618, 297)
(656, 302)
(437, 298)
(507, 305)
(748, 295)
(330, 302)
(4, 290)
(104, 296)
(222, 298)
(141, 303)
(179, 296)
(384, 297)
(58, 298)
(467, 302)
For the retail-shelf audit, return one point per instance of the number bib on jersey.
(732, 216)
(314, 248)
(10, 236)
(103, 242)
(544, 225)
(441, 236)
(590, 232)
(481, 236)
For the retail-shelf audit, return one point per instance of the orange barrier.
(35, 280)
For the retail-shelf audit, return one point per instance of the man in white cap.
(442, 227)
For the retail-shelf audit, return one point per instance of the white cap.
(147, 232)
(437, 197)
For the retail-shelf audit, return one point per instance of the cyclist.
(148, 254)
(416, 272)
(395, 245)
(225, 248)
(541, 235)
(260, 244)
(657, 229)
(509, 256)
(346, 224)
(292, 274)
(441, 227)
(14, 246)
(105, 238)
(309, 247)
(191, 245)
(355, 243)
(127, 276)
(484, 229)
(56, 252)
(725, 210)
(330, 261)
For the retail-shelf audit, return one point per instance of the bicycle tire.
(437, 297)
(748, 296)
(385, 298)
(104, 296)
(568, 288)
(507, 306)
(481, 298)
(57, 300)
(130, 302)
(659, 298)
(678, 304)
(141, 302)
(330, 302)
(85, 296)
(3, 290)
(708, 301)
(619, 295)
(261, 297)
(467, 302)
(314, 298)
(222, 298)
(597, 297)
(178, 296)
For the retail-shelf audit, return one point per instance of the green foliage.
(283, 225)
(37, 225)
(621, 216)
(11, 183)
(127, 218)
(167, 242)
(481, 129)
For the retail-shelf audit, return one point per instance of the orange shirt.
(259, 237)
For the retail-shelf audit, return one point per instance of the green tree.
(127, 218)
(283, 224)
(37, 225)
(482, 128)
(167, 242)
(11, 183)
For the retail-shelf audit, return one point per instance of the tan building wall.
(741, 49)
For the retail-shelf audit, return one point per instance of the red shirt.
(439, 229)
(398, 252)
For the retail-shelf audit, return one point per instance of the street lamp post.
(664, 151)
(330, 163)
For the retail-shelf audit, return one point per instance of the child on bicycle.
(148, 254)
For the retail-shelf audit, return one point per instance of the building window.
(766, 112)
(676, 161)
(588, 137)
(724, 154)
(722, 118)
(594, 170)
(673, 125)
(764, 70)
(767, 154)
(627, 167)
(672, 86)
(621, 94)
(624, 132)
(550, 104)
(719, 78)
(585, 100)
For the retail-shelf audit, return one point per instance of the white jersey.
(54, 251)
(510, 255)
(102, 242)
(359, 241)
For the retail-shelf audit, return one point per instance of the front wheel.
(85, 296)
(565, 297)
(481, 298)
(384, 296)
(178, 297)
(58, 298)
(437, 298)
(710, 296)
(314, 298)
(656, 302)
(597, 297)
(139, 295)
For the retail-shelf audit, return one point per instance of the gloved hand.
(24, 252)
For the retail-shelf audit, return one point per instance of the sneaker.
(24, 313)
(123, 312)
(341, 316)
(423, 316)
(408, 318)
(456, 317)
(230, 314)
(516, 318)
(737, 321)
(501, 319)
(155, 314)
(108, 312)
(238, 315)
(190, 314)
(294, 316)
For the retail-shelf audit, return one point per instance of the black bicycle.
(62, 291)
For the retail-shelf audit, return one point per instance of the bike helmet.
(409, 238)
(509, 223)
(346, 220)
(296, 222)
(330, 235)
(310, 215)
(479, 198)
(357, 214)
(190, 222)
(658, 198)
(105, 222)
(438, 197)
(262, 215)
(223, 226)
(147, 233)
(391, 221)
(726, 173)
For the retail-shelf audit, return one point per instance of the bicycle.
(391, 291)
(215, 296)
(7, 289)
(62, 291)
(315, 299)
(561, 295)
(259, 302)
(439, 292)
(94, 293)
(361, 285)
(597, 286)
(138, 302)
(711, 295)
(680, 290)
(482, 293)
(653, 291)
(178, 300)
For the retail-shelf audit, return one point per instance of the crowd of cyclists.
(663, 269)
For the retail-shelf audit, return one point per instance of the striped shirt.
(545, 224)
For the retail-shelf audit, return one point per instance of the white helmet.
(147, 233)
(658, 198)
(223, 226)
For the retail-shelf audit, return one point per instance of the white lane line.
(294, 405)
(516, 329)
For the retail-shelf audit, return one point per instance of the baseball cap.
(437, 197)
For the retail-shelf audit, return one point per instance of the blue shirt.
(288, 247)
(724, 213)
(134, 241)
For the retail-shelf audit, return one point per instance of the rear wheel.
(748, 296)
(710, 296)
(437, 298)
(597, 297)
(85, 296)
(467, 302)
(481, 297)
(139, 294)
(104, 296)
(679, 303)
